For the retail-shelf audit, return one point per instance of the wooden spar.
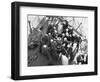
(76, 30)
(41, 23)
(30, 26)
(79, 25)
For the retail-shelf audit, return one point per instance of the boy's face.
(59, 38)
(65, 39)
(63, 34)
(55, 31)
(67, 34)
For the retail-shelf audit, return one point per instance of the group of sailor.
(61, 43)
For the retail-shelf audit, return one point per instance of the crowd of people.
(61, 42)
